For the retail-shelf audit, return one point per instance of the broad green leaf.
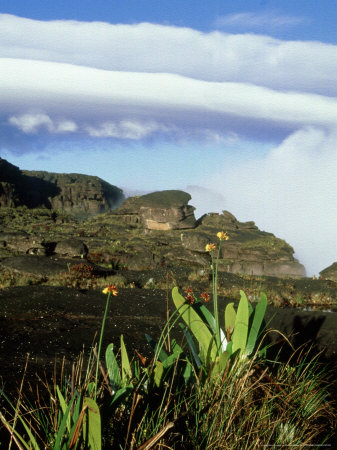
(187, 372)
(158, 373)
(92, 430)
(230, 316)
(113, 368)
(239, 336)
(63, 406)
(220, 364)
(197, 326)
(191, 344)
(254, 331)
(208, 318)
(126, 368)
(120, 395)
(176, 349)
(229, 348)
(63, 425)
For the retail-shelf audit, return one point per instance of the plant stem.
(100, 341)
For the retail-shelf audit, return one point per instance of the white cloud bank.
(292, 192)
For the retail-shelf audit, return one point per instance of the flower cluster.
(189, 297)
(210, 247)
(205, 297)
(111, 288)
(222, 235)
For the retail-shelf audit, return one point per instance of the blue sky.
(234, 101)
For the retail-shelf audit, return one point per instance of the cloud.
(32, 123)
(135, 105)
(215, 56)
(125, 129)
(269, 19)
(291, 191)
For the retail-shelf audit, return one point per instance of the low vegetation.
(217, 388)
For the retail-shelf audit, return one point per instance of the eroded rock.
(330, 273)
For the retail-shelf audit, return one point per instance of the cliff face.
(81, 195)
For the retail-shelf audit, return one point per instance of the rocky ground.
(50, 323)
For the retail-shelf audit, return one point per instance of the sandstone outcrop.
(162, 210)
(249, 250)
(330, 273)
(147, 232)
(80, 195)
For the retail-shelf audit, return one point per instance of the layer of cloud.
(132, 105)
(291, 191)
(266, 19)
(145, 47)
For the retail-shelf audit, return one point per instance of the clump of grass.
(81, 276)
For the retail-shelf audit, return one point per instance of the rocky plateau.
(66, 236)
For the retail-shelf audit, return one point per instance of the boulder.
(71, 248)
(330, 273)
(162, 211)
(23, 243)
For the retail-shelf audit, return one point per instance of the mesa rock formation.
(80, 195)
(162, 210)
(145, 232)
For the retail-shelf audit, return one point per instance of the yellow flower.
(111, 288)
(210, 247)
(223, 236)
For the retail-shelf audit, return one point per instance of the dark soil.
(50, 323)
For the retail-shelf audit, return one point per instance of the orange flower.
(111, 288)
(210, 247)
(190, 296)
(223, 236)
(205, 297)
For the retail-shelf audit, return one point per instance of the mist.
(291, 192)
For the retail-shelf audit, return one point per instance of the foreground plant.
(217, 390)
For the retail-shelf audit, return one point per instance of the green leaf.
(191, 345)
(208, 349)
(158, 373)
(220, 364)
(126, 368)
(63, 425)
(63, 406)
(120, 395)
(259, 313)
(92, 429)
(187, 372)
(113, 368)
(208, 318)
(239, 336)
(230, 317)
